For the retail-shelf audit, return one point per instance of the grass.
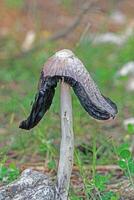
(18, 82)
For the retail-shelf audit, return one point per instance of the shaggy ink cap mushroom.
(65, 65)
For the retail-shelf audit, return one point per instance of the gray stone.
(31, 185)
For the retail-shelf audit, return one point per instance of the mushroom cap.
(65, 53)
(65, 65)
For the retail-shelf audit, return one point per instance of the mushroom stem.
(67, 143)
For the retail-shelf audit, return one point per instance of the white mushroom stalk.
(67, 144)
(65, 67)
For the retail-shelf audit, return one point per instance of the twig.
(74, 24)
(83, 34)
(60, 34)
(103, 168)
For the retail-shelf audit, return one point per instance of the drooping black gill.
(45, 94)
(87, 103)
(42, 102)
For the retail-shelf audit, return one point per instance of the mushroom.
(66, 68)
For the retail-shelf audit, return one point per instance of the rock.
(130, 85)
(114, 38)
(118, 17)
(28, 41)
(108, 38)
(127, 69)
(31, 185)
